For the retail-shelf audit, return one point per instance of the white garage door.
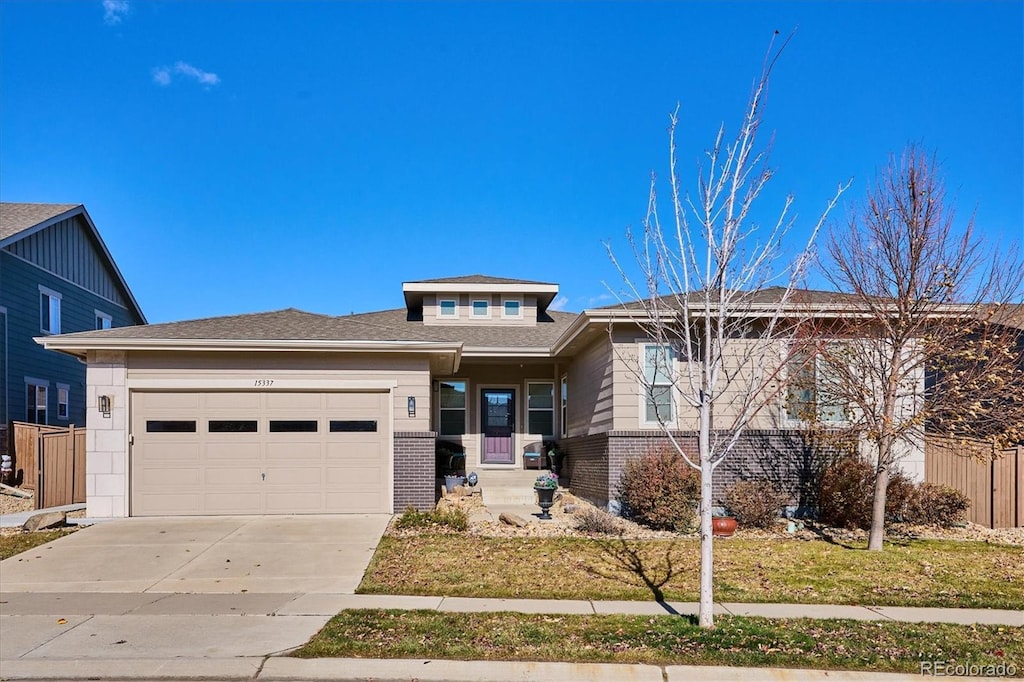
(259, 453)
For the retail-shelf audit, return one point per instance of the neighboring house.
(293, 412)
(56, 276)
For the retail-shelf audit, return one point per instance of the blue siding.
(19, 293)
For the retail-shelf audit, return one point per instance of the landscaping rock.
(513, 520)
(45, 520)
(570, 508)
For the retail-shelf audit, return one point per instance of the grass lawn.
(664, 640)
(913, 573)
(16, 543)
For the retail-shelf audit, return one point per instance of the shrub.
(847, 490)
(938, 505)
(597, 521)
(453, 518)
(755, 504)
(660, 490)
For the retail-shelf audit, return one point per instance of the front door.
(498, 421)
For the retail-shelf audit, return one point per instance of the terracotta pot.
(723, 526)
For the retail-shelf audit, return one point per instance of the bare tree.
(927, 349)
(699, 299)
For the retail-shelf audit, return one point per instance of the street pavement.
(226, 599)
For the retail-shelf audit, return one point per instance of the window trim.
(100, 315)
(643, 345)
(552, 409)
(52, 296)
(472, 309)
(505, 300)
(797, 422)
(440, 309)
(464, 408)
(563, 398)
(66, 388)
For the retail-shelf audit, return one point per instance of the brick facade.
(789, 459)
(414, 470)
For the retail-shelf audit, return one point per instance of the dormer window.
(481, 308)
(511, 308)
(448, 307)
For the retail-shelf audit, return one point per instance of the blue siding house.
(56, 276)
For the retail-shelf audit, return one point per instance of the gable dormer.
(478, 300)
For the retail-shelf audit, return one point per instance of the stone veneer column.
(106, 450)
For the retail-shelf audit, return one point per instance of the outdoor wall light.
(104, 405)
(412, 406)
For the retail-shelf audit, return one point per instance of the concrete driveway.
(206, 555)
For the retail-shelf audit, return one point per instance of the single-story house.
(291, 412)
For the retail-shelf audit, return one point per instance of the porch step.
(511, 487)
(506, 495)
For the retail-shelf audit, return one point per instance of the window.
(232, 426)
(35, 403)
(63, 393)
(808, 394)
(103, 321)
(511, 308)
(565, 412)
(293, 426)
(170, 426)
(49, 311)
(540, 408)
(452, 406)
(657, 388)
(355, 426)
(481, 308)
(448, 308)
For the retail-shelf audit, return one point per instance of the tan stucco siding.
(409, 374)
(527, 309)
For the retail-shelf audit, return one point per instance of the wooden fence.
(51, 461)
(994, 480)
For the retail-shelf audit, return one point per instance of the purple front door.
(497, 424)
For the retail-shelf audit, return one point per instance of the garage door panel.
(238, 465)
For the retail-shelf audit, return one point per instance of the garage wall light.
(104, 405)
(412, 406)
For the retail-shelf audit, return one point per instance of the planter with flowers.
(546, 485)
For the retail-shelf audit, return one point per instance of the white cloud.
(599, 299)
(559, 303)
(114, 11)
(163, 75)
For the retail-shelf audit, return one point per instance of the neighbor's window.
(481, 308)
(49, 311)
(809, 392)
(657, 384)
(540, 408)
(565, 412)
(452, 406)
(511, 309)
(63, 394)
(103, 321)
(35, 403)
(449, 308)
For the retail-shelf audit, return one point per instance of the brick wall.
(414, 470)
(789, 459)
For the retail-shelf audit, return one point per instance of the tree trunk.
(877, 534)
(706, 617)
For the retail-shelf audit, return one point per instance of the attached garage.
(260, 452)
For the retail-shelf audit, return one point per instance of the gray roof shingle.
(15, 218)
(477, 279)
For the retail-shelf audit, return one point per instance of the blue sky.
(247, 156)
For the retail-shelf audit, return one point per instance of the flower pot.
(453, 482)
(545, 498)
(723, 526)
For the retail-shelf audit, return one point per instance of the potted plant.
(546, 485)
(722, 524)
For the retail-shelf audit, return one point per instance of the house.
(56, 276)
(294, 412)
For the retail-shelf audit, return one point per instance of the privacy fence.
(50, 461)
(993, 479)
